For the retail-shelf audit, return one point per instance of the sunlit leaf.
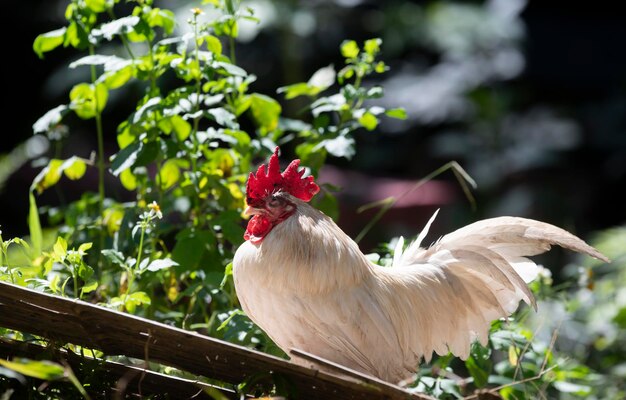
(213, 44)
(157, 265)
(224, 117)
(87, 100)
(128, 179)
(97, 6)
(372, 46)
(349, 49)
(116, 27)
(168, 174)
(163, 18)
(50, 119)
(34, 225)
(265, 111)
(89, 287)
(74, 168)
(60, 248)
(45, 370)
(48, 41)
(399, 113)
(114, 256)
(125, 158)
(368, 121)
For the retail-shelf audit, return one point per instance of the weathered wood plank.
(117, 333)
(132, 380)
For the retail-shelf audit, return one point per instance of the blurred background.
(529, 98)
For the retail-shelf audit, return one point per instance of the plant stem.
(101, 166)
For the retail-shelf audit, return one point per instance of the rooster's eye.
(275, 202)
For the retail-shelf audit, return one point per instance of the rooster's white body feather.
(309, 287)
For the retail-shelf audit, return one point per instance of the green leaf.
(479, 364)
(323, 78)
(117, 78)
(87, 100)
(128, 179)
(224, 117)
(213, 44)
(84, 247)
(34, 226)
(45, 370)
(157, 265)
(349, 49)
(191, 246)
(116, 27)
(163, 18)
(372, 46)
(399, 113)
(181, 127)
(125, 158)
(265, 111)
(569, 387)
(298, 89)
(232, 69)
(48, 41)
(50, 119)
(74, 168)
(84, 271)
(168, 175)
(114, 257)
(89, 287)
(97, 6)
(341, 146)
(48, 176)
(368, 121)
(60, 248)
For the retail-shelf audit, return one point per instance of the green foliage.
(185, 152)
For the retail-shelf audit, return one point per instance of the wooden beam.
(131, 380)
(116, 333)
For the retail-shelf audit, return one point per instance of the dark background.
(546, 142)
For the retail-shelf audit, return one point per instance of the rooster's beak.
(252, 211)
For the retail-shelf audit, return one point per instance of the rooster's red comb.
(270, 180)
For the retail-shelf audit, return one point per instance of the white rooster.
(302, 280)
